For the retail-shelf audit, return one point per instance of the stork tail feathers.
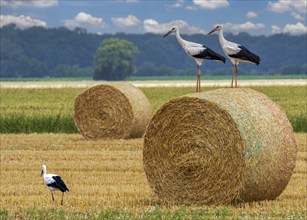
(247, 55)
(255, 58)
(210, 55)
(59, 183)
(219, 57)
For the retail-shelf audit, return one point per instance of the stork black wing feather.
(59, 183)
(245, 54)
(209, 54)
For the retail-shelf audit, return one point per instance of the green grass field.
(51, 110)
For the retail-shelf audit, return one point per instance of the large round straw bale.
(219, 146)
(115, 110)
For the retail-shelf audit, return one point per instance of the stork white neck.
(179, 39)
(221, 37)
(44, 171)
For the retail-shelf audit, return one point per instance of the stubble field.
(107, 181)
(106, 178)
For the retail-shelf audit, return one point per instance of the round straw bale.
(112, 111)
(219, 146)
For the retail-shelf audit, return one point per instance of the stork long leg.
(62, 198)
(236, 71)
(198, 79)
(52, 195)
(233, 72)
(196, 90)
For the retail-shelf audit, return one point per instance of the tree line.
(60, 52)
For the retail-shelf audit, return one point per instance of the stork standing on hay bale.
(197, 51)
(54, 182)
(236, 53)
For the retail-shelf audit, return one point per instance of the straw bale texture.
(219, 146)
(112, 111)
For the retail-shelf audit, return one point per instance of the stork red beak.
(165, 35)
(214, 29)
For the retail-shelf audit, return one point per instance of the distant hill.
(52, 52)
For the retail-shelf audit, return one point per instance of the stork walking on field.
(197, 51)
(236, 53)
(54, 182)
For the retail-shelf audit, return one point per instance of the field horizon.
(159, 81)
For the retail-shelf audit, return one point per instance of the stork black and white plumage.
(54, 182)
(236, 53)
(197, 51)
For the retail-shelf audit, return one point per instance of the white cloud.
(177, 4)
(288, 6)
(128, 21)
(191, 7)
(88, 19)
(211, 4)
(295, 29)
(297, 16)
(280, 6)
(251, 14)
(21, 22)
(28, 3)
(276, 29)
(247, 26)
(292, 29)
(153, 26)
(296, 8)
(84, 18)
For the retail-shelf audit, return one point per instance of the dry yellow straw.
(219, 146)
(115, 110)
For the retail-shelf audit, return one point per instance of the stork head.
(217, 28)
(172, 30)
(43, 170)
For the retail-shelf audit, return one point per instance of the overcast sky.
(257, 17)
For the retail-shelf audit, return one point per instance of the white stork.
(236, 53)
(54, 182)
(197, 51)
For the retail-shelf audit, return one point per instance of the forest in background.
(60, 52)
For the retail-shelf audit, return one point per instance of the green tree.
(114, 59)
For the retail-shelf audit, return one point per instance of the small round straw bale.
(112, 111)
(219, 146)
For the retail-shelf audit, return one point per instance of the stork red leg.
(199, 82)
(198, 79)
(233, 72)
(196, 83)
(236, 75)
(52, 196)
(62, 198)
